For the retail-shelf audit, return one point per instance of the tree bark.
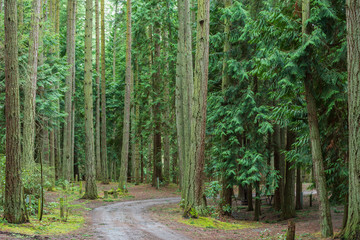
(70, 54)
(298, 205)
(156, 83)
(352, 229)
(128, 90)
(30, 91)
(97, 122)
(90, 186)
(227, 191)
(318, 165)
(14, 209)
(288, 210)
(103, 99)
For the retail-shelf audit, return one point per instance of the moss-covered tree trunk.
(352, 229)
(70, 54)
(14, 211)
(198, 108)
(128, 90)
(28, 149)
(90, 186)
(316, 152)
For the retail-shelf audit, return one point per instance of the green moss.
(207, 222)
(50, 225)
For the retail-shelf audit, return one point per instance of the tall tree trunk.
(14, 211)
(288, 209)
(70, 54)
(184, 88)
(30, 91)
(198, 109)
(97, 67)
(90, 186)
(114, 40)
(103, 99)
(156, 82)
(227, 191)
(137, 160)
(352, 229)
(318, 165)
(128, 90)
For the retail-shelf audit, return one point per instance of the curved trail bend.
(129, 221)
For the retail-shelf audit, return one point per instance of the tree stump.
(291, 231)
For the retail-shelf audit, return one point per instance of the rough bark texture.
(198, 124)
(137, 160)
(90, 186)
(352, 229)
(128, 90)
(70, 55)
(30, 91)
(317, 157)
(97, 67)
(184, 88)
(14, 211)
(103, 153)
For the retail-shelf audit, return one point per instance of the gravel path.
(129, 220)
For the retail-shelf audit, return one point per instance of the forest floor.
(136, 217)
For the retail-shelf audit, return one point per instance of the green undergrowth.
(50, 225)
(208, 222)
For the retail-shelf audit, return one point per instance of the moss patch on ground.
(207, 222)
(50, 225)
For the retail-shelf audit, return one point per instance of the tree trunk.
(352, 229)
(298, 189)
(277, 163)
(30, 91)
(90, 187)
(318, 165)
(97, 122)
(288, 210)
(103, 99)
(128, 90)
(137, 133)
(14, 209)
(70, 54)
(156, 82)
(114, 40)
(250, 198)
(227, 191)
(257, 211)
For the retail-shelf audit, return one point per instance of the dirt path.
(129, 220)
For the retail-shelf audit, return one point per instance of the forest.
(234, 119)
